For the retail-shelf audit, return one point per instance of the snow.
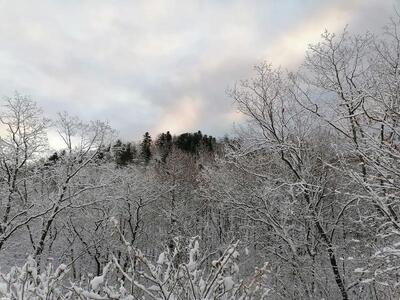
(359, 270)
(369, 280)
(93, 296)
(235, 268)
(3, 288)
(193, 256)
(161, 258)
(97, 281)
(215, 263)
(114, 221)
(61, 269)
(228, 283)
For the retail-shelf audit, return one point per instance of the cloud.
(290, 48)
(158, 65)
(183, 116)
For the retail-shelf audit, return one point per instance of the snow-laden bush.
(182, 271)
(27, 282)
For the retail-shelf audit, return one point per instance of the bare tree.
(22, 140)
(83, 141)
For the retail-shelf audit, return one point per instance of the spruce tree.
(164, 145)
(145, 148)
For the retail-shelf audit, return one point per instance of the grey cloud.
(141, 63)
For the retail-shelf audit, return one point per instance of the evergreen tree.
(194, 142)
(168, 144)
(164, 145)
(117, 149)
(128, 154)
(123, 153)
(168, 138)
(54, 157)
(104, 152)
(145, 147)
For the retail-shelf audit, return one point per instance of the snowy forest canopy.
(303, 203)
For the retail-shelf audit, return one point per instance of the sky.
(157, 65)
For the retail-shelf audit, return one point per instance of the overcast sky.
(159, 65)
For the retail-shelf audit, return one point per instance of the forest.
(303, 202)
